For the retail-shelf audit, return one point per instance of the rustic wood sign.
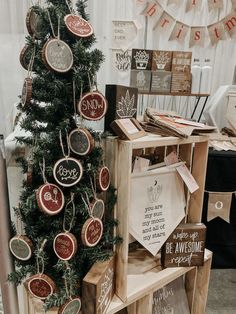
(50, 198)
(127, 129)
(161, 60)
(92, 232)
(26, 91)
(141, 79)
(57, 55)
(103, 178)
(71, 307)
(172, 298)
(81, 141)
(185, 246)
(122, 103)
(21, 247)
(65, 245)
(41, 286)
(181, 61)
(98, 287)
(141, 59)
(78, 26)
(92, 106)
(67, 171)
(161, 82)
(32, 23)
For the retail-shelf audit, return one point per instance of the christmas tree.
(60, 190)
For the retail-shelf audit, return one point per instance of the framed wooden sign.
(141, 59)
(92, 106)
(122, 103)
(141, 79)
(78, 26)
(185, 246)
(68, 171)
(161, 82)
(50, 199)
(98, 287)
(21, 247)
(161, 60)
(81, 141)
(181, 82)
(127, 129)
(181, 61)
(57, 55)
(41, 286)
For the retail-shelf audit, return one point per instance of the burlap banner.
(216, 32)
(193, 4)
(197, 36)
(179, 32)
(230, 23)
(165, 22)
(219, 204)
(152, 9)
(215, 4)
(233, 4)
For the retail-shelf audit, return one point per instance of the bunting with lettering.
(152, 9)
(193, 4)
(216, 32)
(179, 32)
(230, 24)
(215, 4)
(197, 36)
(165, 23)
(219, 204)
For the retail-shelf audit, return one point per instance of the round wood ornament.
(92, 106)
(32, 23)
(21, 247)
(92, 232)
(65, 245)
(78, 26)
(57, 55)
(81, 141)
(25, 56)
(97, 208)
(67, 171)
(26, 91)
(71, 307)
(50, 198)
(41, 286)
(103, 179)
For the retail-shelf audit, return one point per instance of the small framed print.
(127, 129)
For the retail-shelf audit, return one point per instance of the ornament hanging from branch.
(33, 23)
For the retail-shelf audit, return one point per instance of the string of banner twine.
(62, 147)
(71, 201)
(39, 258)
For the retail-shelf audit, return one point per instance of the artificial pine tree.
(48, 106)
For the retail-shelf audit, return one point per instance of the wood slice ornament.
(50, 199)
(97, 208)
(57, 55)
(32, 23)
(41, 286)
(21, 247)
(103, 178)
(68, 171)
(65, 245)
(78, 26)
(72, 306)
(26, 94)
(25, 56)
(81, 141)
(92, 106)
(92, 232)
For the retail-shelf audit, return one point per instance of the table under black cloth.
(221, 236)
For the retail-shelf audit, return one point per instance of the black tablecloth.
(221, 236)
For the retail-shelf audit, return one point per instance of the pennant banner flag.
(165, 22)
(216, 32)
(193, 4)
(197, 36)
(219, 205)
(230, 24)
(233, 4)
(215, 4)
(152, 9)
(179, 32)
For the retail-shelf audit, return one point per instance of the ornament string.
(87, 204)
(93, 186)
(50, 21)
(100, 146)
(62, 147)
(42, 169)
(71, 201)
(18, 223)
(69, 7)
(68, 290)
(39, 258)
(58, 28)
(74, 103)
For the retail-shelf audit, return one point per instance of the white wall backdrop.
(102, 13)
